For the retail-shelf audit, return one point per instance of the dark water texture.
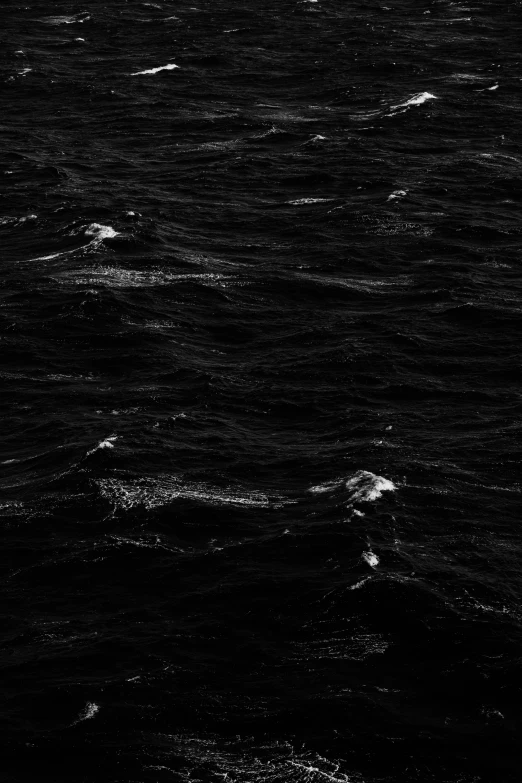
(260, 360)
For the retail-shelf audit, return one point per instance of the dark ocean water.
(260, 360)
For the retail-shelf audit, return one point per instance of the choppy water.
(260, 348)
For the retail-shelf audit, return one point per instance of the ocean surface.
(260, 314)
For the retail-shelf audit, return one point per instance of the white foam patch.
(360, 583)
(158, 492)
(328, 486)
(51, 256)
(366, 486)
(117, 277)
(310, 771)
(309, 200)
(150, 541)
(468, 77)
(360, 284)
(242, 759)
(353, 647)
(152, 71)
(55, 20)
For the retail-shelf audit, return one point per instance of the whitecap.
(6, 221)
(367, 486)
(100, 232)
(363, 485)
(397, 194)
(108, 443)
(415, 100)
(169, 67)
(314, 140)
(89, 711)
(370, 558)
